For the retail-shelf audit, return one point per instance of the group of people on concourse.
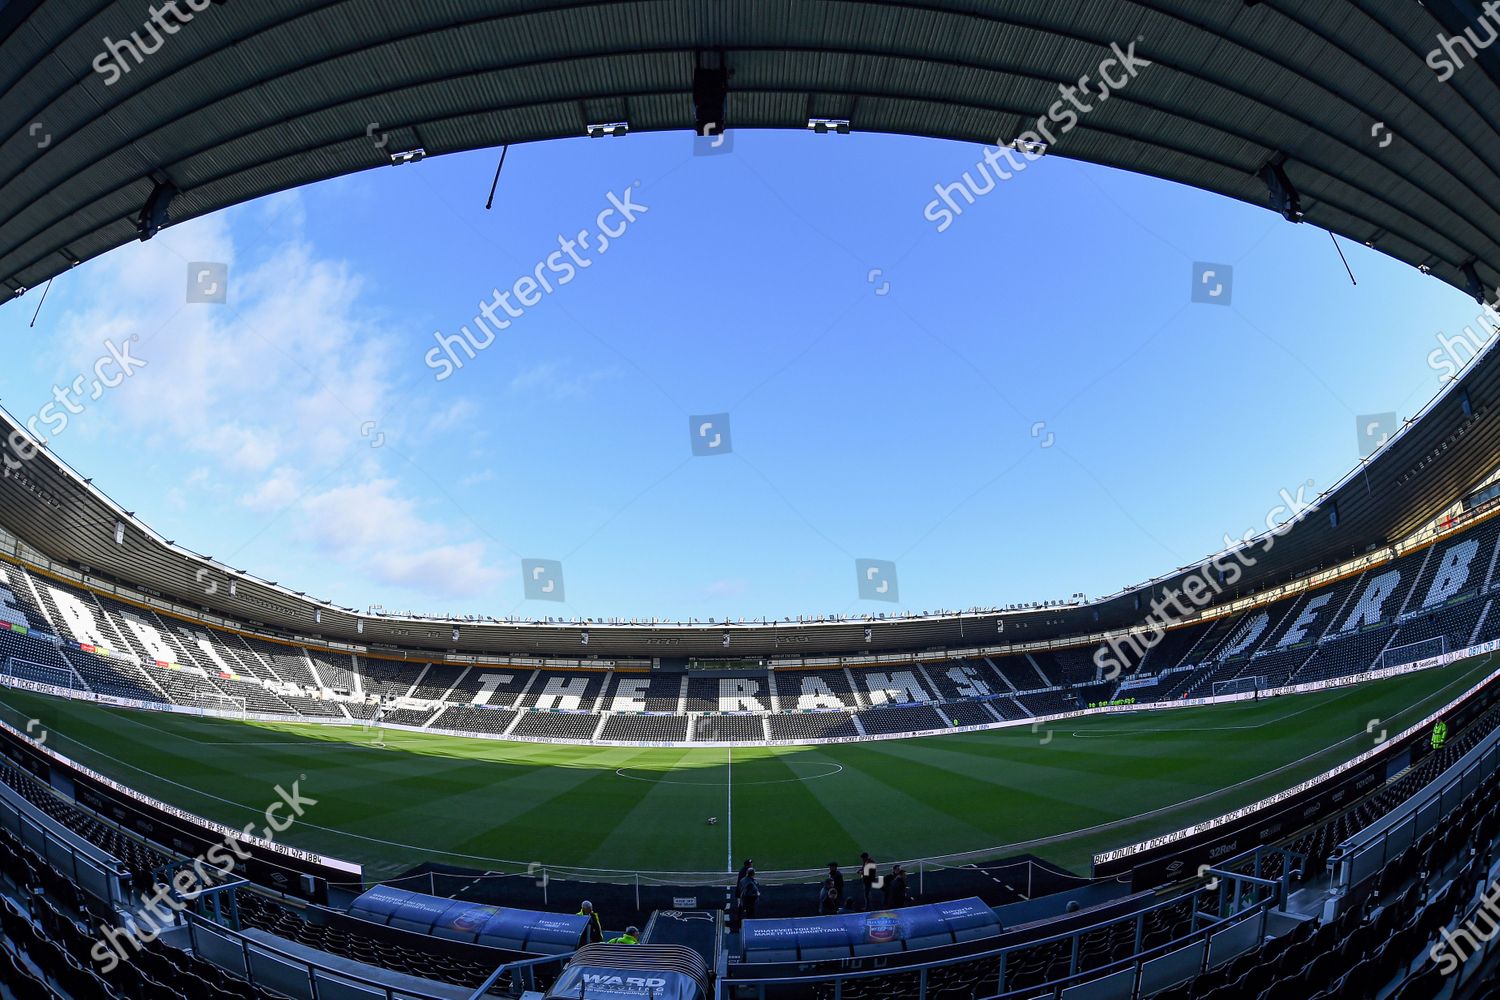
(872, 890)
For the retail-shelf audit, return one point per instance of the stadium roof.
(1329, 113)
(246, 99)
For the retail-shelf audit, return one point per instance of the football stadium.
(1273, 772)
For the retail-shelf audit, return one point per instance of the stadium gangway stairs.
(1210, 942)
(92, 869)
(1365, 854)
(1292, 862)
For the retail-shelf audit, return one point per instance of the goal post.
(232, 705)
(372, 726)
(1239, 685)
(1411, 652)
(30, 670)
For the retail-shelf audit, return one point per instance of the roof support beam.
(710, 93)
(154, 215)
(1283, 194)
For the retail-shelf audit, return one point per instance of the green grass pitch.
(1062, 793)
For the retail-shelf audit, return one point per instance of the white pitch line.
(621, 772)
(1103, 734)
(729, 813)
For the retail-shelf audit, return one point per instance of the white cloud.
(558, 381)
(368, 526)
(264, 400)
(726, 588)
(461, 412)
(275, 493)
(478, 478)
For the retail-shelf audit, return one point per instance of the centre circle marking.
(837, 769)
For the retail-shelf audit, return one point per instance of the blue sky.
(885, 416)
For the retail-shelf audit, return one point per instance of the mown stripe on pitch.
(787, 825)
(896, 815)
(666, 827)
(565, 829)
(1028, 784)
(1014, 797)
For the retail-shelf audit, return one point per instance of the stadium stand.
(345, 937)
(802, 690)
(900, 719)
(811, 726)
(1174, 649)
(496, 687)
(1263, 102)
(1073, 666)
(1009, 709)
(336, 671)
(385, 679)
(633, 692)
(1049, 702)
(736, 693)
(1370, 949)
(967, 713)
(410, 716)
(729, 728)
(137, 857)
(573, 692)
(958, 680)
(557, 725)
(645, 728)
(472, 719)
(1029, 671)
(436, 680)
(1428, 599)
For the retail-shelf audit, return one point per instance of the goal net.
(1412, 652)
(231, 705)
(372, 725)
(29, 670)
(1239, 685)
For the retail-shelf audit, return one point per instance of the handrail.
(111, 870)
(1260, 908)
(527, 965)
(311, 968)
(1413, 817)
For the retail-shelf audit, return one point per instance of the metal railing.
(263, 964)
(523, 975)
(1364, 855)
(1246, 911)
(92, 869)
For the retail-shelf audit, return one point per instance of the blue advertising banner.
(511, 929)
(878, 927)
